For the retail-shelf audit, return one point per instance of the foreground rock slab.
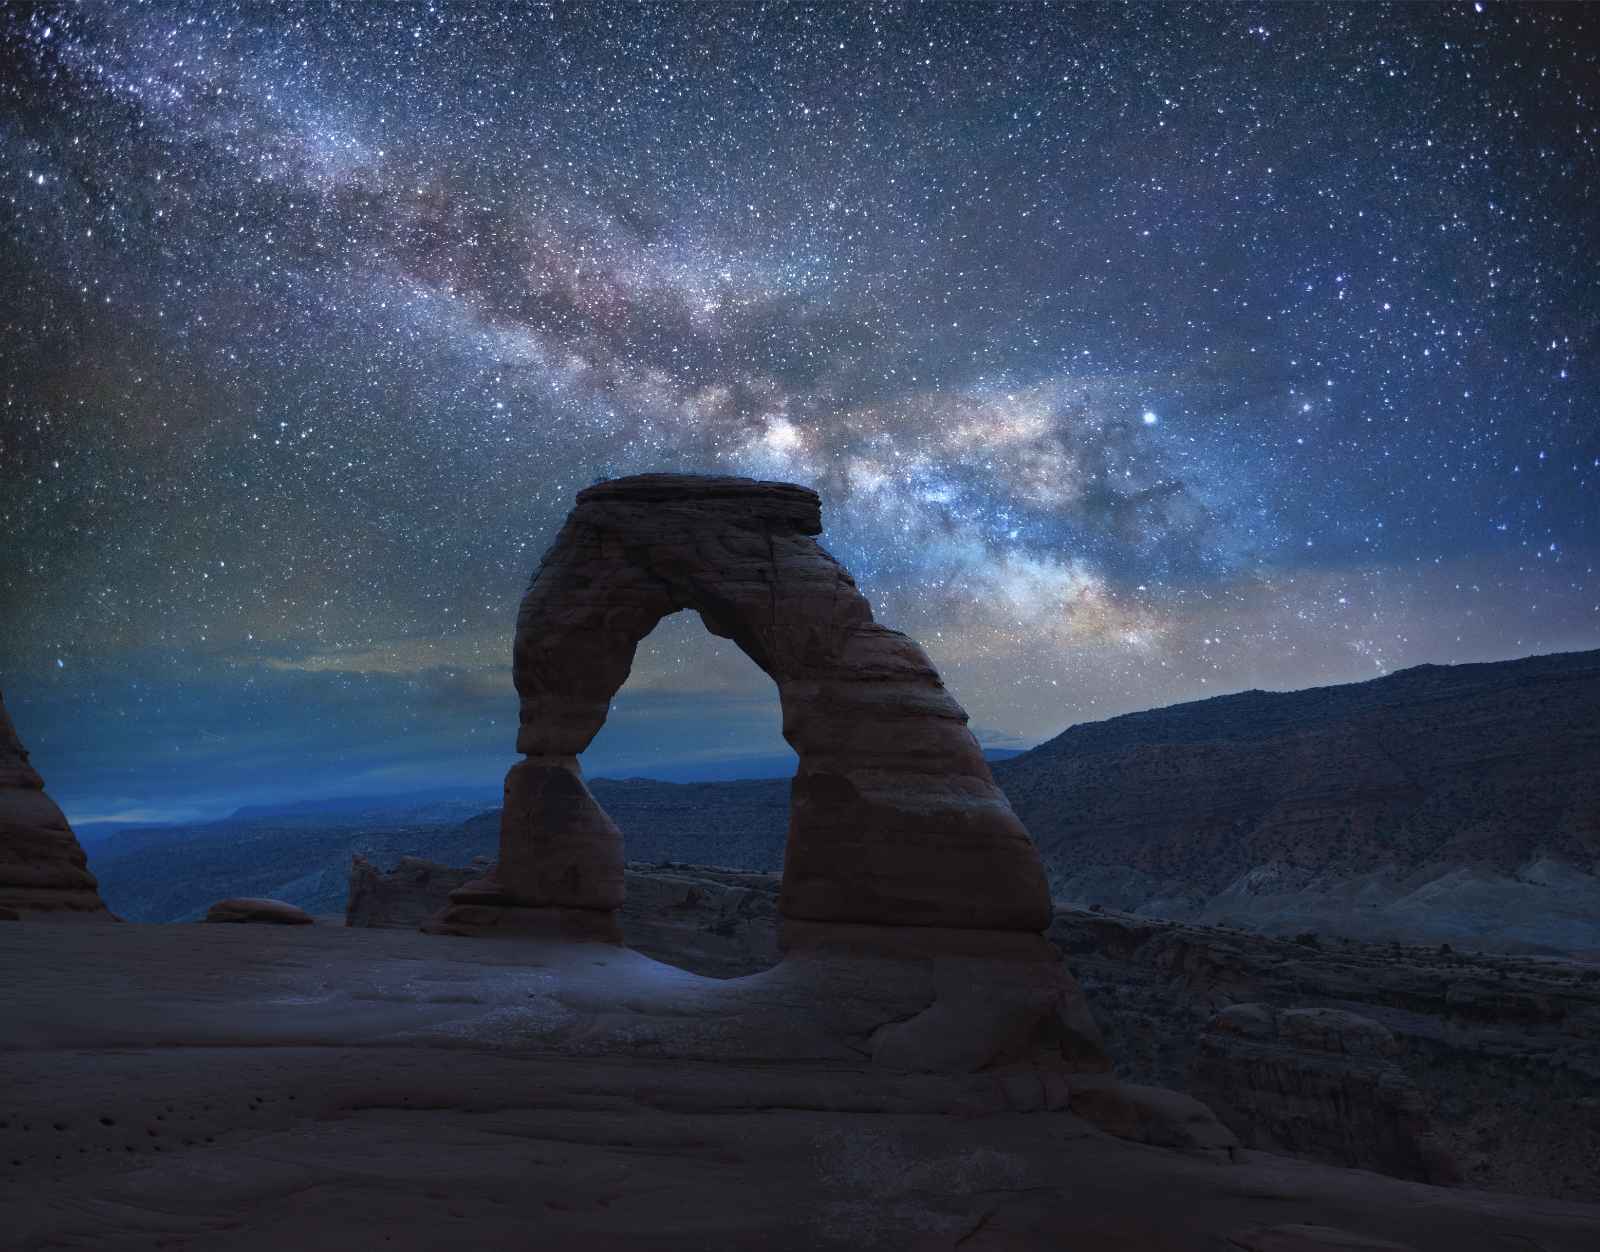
(44, 872)
(255, 1088)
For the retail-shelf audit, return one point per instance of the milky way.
(1139, 354)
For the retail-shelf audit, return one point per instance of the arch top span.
(895, 818)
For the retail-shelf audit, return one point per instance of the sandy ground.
(250, 1087)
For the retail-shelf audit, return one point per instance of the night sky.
(1139, 354)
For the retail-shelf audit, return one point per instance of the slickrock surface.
(1503, 1053)
(715, 922)
(1320, 1083)
(246, 909)
(1456, 804)
(254, 1088)
(43, 870)
(895, 818)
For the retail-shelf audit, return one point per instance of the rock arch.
(895, 818)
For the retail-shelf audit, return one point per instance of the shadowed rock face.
(1318, 1082)
(1444, 803)
(895, 818)
(720, 923)
(44, 874)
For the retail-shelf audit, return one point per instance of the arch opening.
(693, 709)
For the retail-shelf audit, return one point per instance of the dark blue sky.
(1140, 353)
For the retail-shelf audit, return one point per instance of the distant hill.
(1452, 804)
(441, 803)
(1444, 802)
(173, 873)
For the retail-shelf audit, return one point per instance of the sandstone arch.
(895, 818)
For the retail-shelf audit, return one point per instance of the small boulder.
(276, 912)
(1153, 1115)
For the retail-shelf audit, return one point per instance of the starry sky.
(1140, 353)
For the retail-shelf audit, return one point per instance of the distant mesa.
(1445, 803)
(272, 912)
(44, 872)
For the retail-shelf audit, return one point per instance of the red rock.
(1318, 1082)
(44, 872)
(406, 896)
(895, 817)
(245, 909)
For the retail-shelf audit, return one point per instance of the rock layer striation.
(44, 873)
(895, 818)
(912, 898)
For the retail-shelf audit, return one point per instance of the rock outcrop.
(1503, 1051)
(715, 922)
(270, 912)
(1321, 1083)
(1456, 804)
(1500, 1054)
(912, 899)
(44, 873)
(406, 896)
(895, 818)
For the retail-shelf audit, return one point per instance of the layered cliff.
(1442, 803)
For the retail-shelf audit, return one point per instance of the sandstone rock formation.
(245, 909)
(714, 922)
(895, 818)
(406, 896)
(1456, 804)
(1503, 1051)
(912, 898)
(44, 873)
(1318, 1082)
